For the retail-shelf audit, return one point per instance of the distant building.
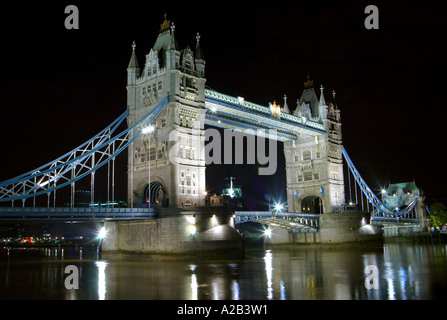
(231, 195)
(232, 188)
(216, 200)
(400, 195)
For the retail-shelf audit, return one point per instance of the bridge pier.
(335, 228)
(194, 231)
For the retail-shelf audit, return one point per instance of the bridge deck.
(55, 213)
(294, 222)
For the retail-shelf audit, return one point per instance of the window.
(316, 176)
(159, 85)
(297, 159)
(300, 178)
(154, 69)
(163, 123)
(334, 175)
(307, 155)
(188, 181)
(308, 176)
(318, 155)
(153, 153)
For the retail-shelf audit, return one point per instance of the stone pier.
(335, 228)
(195, 231)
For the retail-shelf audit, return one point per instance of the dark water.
(405, 271)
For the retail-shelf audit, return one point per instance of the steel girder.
(78, 163)
(376, 202)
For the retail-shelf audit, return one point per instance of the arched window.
(307, 155)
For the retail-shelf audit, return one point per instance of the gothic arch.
(158, 192)
(309, 201)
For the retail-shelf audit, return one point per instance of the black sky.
(60, 87)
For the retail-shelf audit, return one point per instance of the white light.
(148, 129)
(192, 229)
(213, 109)
(102, 233)
(268, 233)
(383, 191)
(278, 207)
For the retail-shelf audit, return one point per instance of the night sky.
(60, 87)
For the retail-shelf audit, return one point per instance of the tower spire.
(173, 42)
(133, 63)
(199, 53)
(333, 98)
(322, 100)
(286, 107)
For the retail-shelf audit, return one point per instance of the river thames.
(405, 271)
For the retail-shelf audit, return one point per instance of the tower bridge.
(168, 106)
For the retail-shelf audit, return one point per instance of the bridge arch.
(156, 193)
(311, 203)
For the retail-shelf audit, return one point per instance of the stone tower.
(314, 165)
(171, 154)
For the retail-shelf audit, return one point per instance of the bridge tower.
(314, 165)
(171, 153)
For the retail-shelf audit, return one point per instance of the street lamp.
(148, 130)
(268, 233)
(278, 207)
(102, 233)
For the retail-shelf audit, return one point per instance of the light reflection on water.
(405, 271)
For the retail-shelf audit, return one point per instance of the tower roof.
(165, 25)
(310, 97)
(164, 36)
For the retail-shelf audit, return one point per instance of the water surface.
(405, 271)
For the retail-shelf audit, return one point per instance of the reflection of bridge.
(168, 108)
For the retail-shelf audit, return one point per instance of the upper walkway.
(235, 113)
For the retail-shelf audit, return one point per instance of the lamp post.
(148, 130)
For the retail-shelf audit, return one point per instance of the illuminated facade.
(172, 154)
(314, 165)
(173, 151)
